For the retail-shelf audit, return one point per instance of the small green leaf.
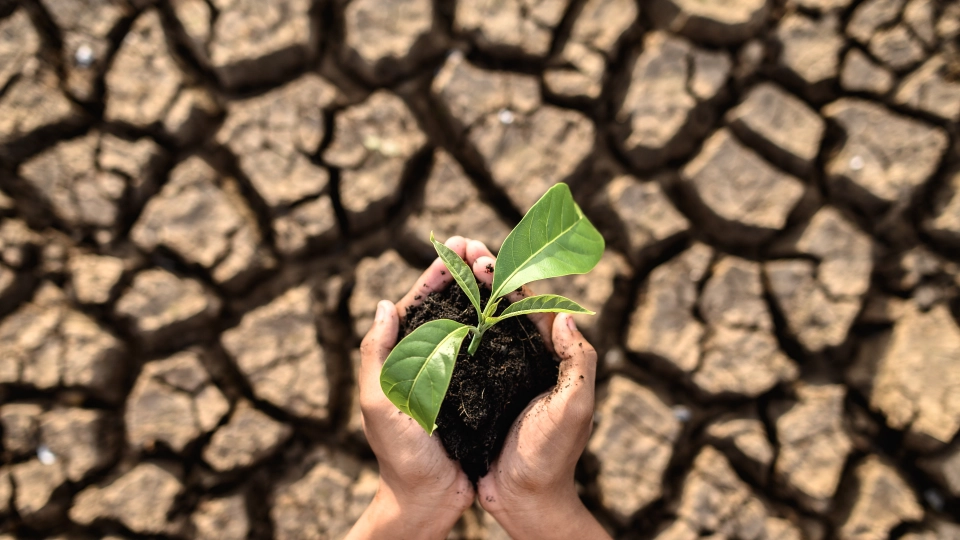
(553, 239)
(417, 372)
(542, 303)
(460, 272)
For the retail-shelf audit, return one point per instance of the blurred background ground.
(202, 200)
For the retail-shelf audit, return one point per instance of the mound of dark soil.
(489, 389)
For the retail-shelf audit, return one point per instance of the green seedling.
(553, 239)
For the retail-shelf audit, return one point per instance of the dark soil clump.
(489, 389)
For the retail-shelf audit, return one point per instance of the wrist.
(391, 515)
(559, 516)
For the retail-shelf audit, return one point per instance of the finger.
(375, 348)
(435, 278)
(578, 369)
(483, 268)
(475, 250)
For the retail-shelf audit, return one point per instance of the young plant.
(553, 239)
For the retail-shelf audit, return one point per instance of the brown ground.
(202, 200)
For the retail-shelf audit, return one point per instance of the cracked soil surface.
(201, 202)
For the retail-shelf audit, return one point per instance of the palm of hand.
(516, 469)
(537, 456)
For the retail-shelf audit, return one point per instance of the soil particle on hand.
(489, 389)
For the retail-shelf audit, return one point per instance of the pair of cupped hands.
(530, 488)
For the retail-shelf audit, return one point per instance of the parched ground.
(201, 201)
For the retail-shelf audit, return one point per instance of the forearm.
(565, 519)
(385, 517)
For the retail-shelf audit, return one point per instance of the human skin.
(530, 489)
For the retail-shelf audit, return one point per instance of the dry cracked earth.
(202, 200)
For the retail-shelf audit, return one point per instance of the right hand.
(530, 488)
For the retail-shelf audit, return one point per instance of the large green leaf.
(553, 239)
(460, 272)
(417, 372)
(542, 303)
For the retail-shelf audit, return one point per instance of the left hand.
(422, 491)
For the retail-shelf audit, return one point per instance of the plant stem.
(474, 343)
(490, 308)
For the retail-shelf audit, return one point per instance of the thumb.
(578, 366)
(375, 348)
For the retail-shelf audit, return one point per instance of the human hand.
(530, 488)
(422, 491)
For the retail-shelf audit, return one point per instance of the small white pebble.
(389, 149)
(371, 142)
(615, 359)
(856, 163)
(45, 455)
(934, 499)
(681, 413)
(505, 116)
(84, 56)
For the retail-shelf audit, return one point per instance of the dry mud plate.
(201, 202)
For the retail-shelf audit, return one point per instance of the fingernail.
(381, 311)
(570, 324)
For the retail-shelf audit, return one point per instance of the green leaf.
(553, 239)
(460, 272)
(542, 303)
(417, 372)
